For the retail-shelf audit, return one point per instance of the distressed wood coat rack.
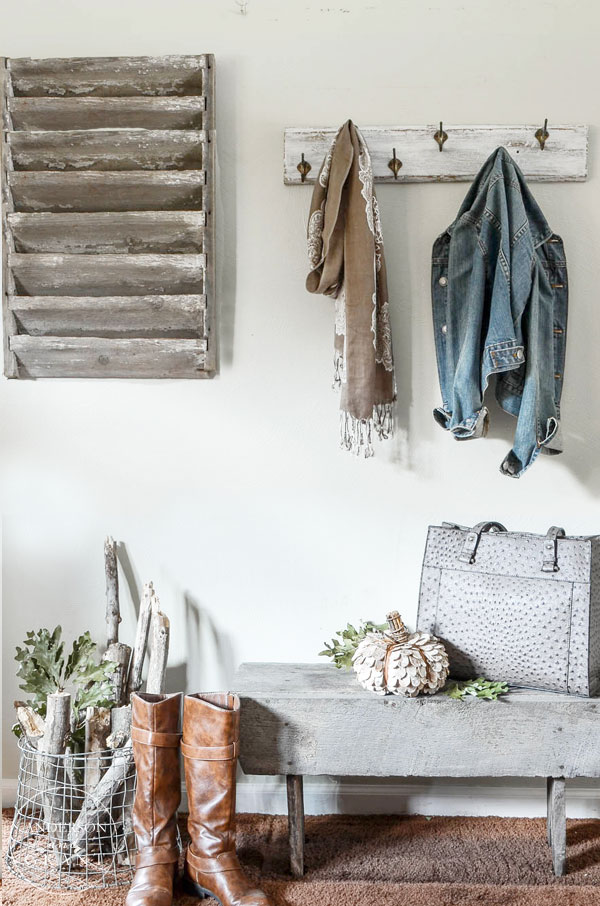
(108, 224)
(400, 154)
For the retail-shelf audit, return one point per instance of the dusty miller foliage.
(44, 669)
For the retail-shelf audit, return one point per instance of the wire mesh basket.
(72, 828)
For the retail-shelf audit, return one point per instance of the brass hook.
(394, 164)
(441, 136)
(304, 168)
(542, 134)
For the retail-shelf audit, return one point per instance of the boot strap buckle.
(210, 753)
(150, 738)
(156, 855)
(227, 861)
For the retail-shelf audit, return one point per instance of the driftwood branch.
(141, 639)
(99, 802)
(97, 729)
(52, 775)
(120, 727)
(159, 649)
(119, 654)
(113, 615)
(32, 724)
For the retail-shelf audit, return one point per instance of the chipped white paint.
(563, 159)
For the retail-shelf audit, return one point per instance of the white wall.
(233, 494)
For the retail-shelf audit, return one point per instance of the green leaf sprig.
(476, 688)
(342, 649)
(44, 670)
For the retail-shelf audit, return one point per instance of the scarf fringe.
(357, 433)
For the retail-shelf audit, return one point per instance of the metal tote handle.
(550, 564)
(467, 555)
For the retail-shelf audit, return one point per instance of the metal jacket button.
(444, 328)
(443, 281)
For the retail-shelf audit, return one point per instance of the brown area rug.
(393, 861)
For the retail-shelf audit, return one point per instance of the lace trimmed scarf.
(345, 249)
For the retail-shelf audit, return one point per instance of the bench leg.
(295, 800)
(557, 823)
(549, 781)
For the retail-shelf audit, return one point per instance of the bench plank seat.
(311, 719)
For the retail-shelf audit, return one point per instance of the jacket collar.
(500, 165)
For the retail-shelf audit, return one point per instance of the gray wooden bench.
(311, 719)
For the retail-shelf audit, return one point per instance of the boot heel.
(194, 890)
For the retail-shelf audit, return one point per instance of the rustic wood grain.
(563, 159)
(109, 149)
(557, 821)
(110, 316)
(107, 275)
(140, 646)
(53, 113)
(109, 76)
(143, 190)
(111, 574)
(295, 803)
(159, 637)
(6, 207)
(52, 777)
(106, 159)
(109, 358)
(312, 719)
(119, 654)
(120, 726)
(32, 724)
(97, 730)
(149, 232)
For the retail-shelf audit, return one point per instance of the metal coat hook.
(441, 136)
(304, 168)
(542, 134)
(394, 164)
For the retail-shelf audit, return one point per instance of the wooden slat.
(141, 190)
(108, 76)
(563, 159)
(110, 316)
(312, 719)
(109, 233)
(107, 275)
(102, 358)
(107, 113)
(6, 206)
(111, 149)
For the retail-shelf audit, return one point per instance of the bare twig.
(113, 616)
(141, 639)
(159, 649)
(119, 653)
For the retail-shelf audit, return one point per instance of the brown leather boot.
(211, 731)
(155, 736)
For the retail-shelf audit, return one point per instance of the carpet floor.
(393, 861)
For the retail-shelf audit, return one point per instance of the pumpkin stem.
(397, 629)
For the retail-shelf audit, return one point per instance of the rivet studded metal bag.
(515, 606)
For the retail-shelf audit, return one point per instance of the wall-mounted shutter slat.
(108, 201)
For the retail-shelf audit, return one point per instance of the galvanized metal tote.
(514, 606)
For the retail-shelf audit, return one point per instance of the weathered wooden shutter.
(108, 223)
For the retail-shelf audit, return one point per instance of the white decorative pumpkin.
(400, 662)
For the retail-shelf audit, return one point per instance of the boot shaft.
(155, 733)
(209, 746)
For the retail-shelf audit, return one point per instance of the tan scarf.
(345, 249)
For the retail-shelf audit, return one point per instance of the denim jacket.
(499, 290)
